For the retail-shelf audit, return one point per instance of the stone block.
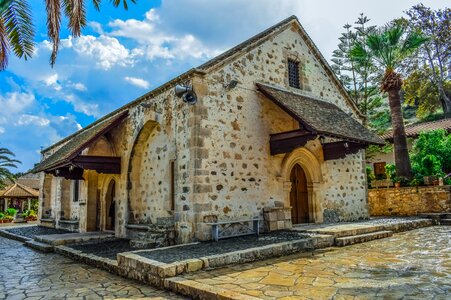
(272, 225)
(280, 225)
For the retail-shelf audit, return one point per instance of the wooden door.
(299, 196)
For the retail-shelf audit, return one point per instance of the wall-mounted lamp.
(186, 93)
(346, 145)
(232, 84)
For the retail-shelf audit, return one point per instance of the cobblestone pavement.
(409, 265)
(26, 274)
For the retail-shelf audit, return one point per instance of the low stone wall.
(409, 201)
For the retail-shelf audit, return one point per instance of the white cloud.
(52, 81)
(139, 82)
(80, 87)
(106, 51)
(96, 26)
(2, 130)
(155, 42)
(27, 119)
(15, 102)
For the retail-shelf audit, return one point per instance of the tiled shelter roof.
(319, 116)
(18, 190)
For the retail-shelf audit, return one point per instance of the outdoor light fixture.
(186, 93)
(232, 84)
(346, 145)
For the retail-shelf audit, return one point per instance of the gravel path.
(108, 249)
(222, 246)
(32, 231)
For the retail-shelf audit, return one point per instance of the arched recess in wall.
(312, 168)
(101, 147)
(135, 201)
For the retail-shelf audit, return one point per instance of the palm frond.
(412, 42)
(96, 4)
(4, 46)
(116, 3)
(393, 35)
(4, 4)
(53, 8)
(19, 27)
(6, 151)
(76, 13)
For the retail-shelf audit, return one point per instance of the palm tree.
(6, 161)
(17, 30)
(387, 48)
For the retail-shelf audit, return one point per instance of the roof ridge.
(297, 93)
(245, 43)
(187, 73)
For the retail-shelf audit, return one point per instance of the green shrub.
(369, 175)
(11, 212)
(431, 153)
(390, 171)
(2, 216)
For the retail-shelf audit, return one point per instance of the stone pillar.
(316, 210)
(287, 186)
(29, 203)
(6, 203)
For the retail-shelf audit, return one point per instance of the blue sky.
(123, 54)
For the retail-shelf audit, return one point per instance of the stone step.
(361, 238)
(39, 246)
(445, 221)
(350, 230)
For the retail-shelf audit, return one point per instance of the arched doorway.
(110, 206)
(299, 196)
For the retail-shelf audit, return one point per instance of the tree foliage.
(359, 77)
(433, 57)
(7, 161)
(422, 93)
(17, 30)
(386, 48)
(431, 153)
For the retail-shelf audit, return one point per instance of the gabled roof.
(414, 130)
(18, 190)
(79, 142)
(319, 117)
(202, 69)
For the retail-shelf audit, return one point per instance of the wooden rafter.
(288, 141)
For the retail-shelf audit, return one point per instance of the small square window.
(293, 73)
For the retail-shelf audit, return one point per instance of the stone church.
(266, 124)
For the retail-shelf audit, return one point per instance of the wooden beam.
(286, 142)
(337, 150)
(67, 173)
(101, 164)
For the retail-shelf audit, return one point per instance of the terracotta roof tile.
(414, 130)
(319, 116)
(18, 190)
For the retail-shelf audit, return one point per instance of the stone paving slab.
(72, 238)
(378, 224)
(136, 266)
(410, 265)
(27, 274)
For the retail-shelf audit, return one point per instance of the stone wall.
(220, 150)
(235, 174)
(409, 201)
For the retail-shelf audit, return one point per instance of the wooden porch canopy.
(317, 119)
(68, 162)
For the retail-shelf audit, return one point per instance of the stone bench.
(215, 226)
